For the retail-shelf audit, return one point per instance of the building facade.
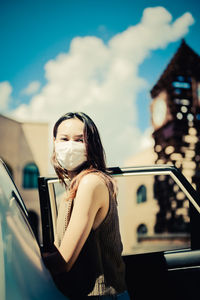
(24, 147)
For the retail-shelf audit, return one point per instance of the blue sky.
(34, 33)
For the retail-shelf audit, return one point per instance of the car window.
(154, 214)
(56, 192)
(154, 209)
(11, 194)
(9, 188)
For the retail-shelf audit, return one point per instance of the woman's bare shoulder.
(92, 185)
(93, 181)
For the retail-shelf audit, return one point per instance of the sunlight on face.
(70, 130)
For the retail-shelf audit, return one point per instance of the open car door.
(159, 216)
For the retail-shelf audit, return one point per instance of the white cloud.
(5, 93)
(32, 88)
(102, 80)
(147, 140)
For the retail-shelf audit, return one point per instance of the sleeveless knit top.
(99, 269)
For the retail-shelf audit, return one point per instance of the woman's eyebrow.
(79, 135)
(63, 134)
(76, 135)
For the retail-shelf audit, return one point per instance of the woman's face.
(70, 130)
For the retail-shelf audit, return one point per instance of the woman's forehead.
(71, 126)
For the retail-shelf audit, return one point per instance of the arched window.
(30, 176)
(141, 194)
(142, 229)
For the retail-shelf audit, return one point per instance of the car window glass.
(153, 212)
(11, 199)
(9, 188)
(57, 193)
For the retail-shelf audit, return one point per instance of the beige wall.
(36, 135)
(20, 144)
(143, 158)
(10, 133)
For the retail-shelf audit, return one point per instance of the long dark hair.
(96, 159)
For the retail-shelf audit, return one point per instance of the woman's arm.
(91, 198)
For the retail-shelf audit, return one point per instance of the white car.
(159, 267)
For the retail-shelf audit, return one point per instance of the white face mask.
(70, 154)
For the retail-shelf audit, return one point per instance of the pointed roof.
(185, 62)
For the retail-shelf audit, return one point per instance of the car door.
(22, 272)
(159, 216)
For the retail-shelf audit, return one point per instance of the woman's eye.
(80, 140)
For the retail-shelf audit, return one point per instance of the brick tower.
(175, 111)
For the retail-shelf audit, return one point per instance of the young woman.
(87, 262)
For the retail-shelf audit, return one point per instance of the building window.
(181, 85)
(30, 176)
(142, 229)
(180, 78)
(181, 82)
(183, 78)
(141, 194)
(177, 91)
